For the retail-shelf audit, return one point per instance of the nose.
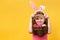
(40, 21)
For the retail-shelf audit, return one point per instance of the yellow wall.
(15, 16)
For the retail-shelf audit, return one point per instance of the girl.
(39, 19)
(39, 25)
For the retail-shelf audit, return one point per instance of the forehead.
(39, 15)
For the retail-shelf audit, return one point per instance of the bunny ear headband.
(42, 8)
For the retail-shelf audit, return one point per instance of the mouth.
(40, 21)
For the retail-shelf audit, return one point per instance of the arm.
(49, 27)
(30, 25)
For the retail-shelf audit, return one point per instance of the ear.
(33, 6)
(42, 7)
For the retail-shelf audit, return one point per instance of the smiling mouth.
(40, 21)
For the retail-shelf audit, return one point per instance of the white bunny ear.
(42, 7)
(33, 6)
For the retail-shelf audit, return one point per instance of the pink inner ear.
(33, 5)
(39, 24)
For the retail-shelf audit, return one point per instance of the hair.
(45, 22)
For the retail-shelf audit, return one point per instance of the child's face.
(39, 18)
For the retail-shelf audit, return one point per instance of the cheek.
(42, 20)
(37, 20)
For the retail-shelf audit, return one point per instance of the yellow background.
(15, 17)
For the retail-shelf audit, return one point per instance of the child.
(39, 17)
(39, 25)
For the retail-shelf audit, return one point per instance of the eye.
(41, 18)
(37, 18)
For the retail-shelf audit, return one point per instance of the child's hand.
(46, 16)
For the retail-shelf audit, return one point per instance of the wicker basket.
(40, 31)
